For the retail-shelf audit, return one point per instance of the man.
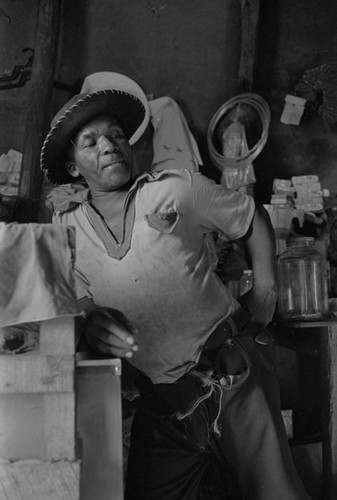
(145, 276)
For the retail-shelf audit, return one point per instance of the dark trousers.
(168, 455)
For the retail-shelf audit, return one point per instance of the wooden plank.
(37, 426)
(35, 373)
(282, 323)
(37, 118)
(99, 426)
(250, 13)
(21, 426)
(35, 480)
(328, 338)
(59, 426)
(57, 336)
(85, 360)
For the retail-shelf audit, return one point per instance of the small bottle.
(246, 281)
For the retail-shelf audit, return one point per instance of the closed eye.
(89, 144)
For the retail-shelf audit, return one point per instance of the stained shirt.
(161, 275)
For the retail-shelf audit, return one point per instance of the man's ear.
(72, 169)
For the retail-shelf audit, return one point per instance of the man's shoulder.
(172, 174)
(71, 202)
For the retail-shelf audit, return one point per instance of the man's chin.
(116, 179)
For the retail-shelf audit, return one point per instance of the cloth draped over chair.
(36, 272)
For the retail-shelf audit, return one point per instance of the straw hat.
(129, 110)
(111, 80)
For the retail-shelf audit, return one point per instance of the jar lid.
(300, 240)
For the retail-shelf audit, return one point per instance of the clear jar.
(302, 276)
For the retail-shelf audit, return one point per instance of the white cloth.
(36, 269)
(173, 143)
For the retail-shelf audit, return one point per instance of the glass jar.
(302, 275)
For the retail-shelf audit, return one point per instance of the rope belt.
(224, 363)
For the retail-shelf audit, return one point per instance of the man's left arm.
(260, 244)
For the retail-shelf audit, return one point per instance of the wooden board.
(38, 113)
(57, 336)
(37, 397)
(250, 13)
(34, 480)
(99, 426)
(35, 373)
(37, 426)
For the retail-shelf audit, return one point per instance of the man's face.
(102, 155)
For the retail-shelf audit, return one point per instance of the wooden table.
(327, 351)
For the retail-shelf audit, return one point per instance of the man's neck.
(109, 202)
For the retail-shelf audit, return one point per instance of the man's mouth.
(113, 162)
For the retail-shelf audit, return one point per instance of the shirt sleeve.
(220, 209)
(81, 285)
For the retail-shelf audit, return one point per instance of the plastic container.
(246, 281)
(302, 275)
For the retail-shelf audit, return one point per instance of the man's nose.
(108, 145)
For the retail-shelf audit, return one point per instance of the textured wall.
(188, 49)
(16, 34)
(295, 36)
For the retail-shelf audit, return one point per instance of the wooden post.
(328, 338)
(37, 119)
(327, 333)
(250, 13)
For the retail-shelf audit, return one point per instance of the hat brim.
(126, 108)
(112, 80)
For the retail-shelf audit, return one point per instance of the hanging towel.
(36, 272)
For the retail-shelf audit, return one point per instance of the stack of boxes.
(309, 193)
(301, 198)
(302, 192)
(10, 165)
(283, 193)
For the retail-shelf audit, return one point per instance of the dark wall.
(295, 36)
(185, 49)
(189, 50)
(17, 32)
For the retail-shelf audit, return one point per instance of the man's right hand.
(108, 332)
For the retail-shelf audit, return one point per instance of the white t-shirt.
(162, 276)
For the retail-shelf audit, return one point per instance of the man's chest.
(113, 216)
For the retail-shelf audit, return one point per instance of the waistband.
(236, 325)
